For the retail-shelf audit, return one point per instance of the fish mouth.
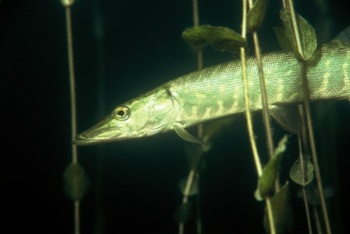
(103, 132)
(92, 137)
(82, 139)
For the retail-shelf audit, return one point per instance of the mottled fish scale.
(218, 91)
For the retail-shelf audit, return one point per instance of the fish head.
(146, 115)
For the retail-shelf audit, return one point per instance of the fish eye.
(122, 113)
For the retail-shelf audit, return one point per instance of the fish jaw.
(144, 116)
(105, 131)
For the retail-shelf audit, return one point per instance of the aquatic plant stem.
(76, 217)
(71, 81)
(317, 220)
(249, 117)
(246, 95)
(301, 160)
(188, 186)
(265, 110)
(264, 100)
(196, 24)
(308, 117)
(73, 104)
(187, 190)
(200, 130)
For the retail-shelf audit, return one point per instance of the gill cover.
(146, 115)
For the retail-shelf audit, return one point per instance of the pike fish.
(216, 92)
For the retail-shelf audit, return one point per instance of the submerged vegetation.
(272, 182)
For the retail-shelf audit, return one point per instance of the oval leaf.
(255, 16)
(75, 181)
(267, 179)
(296, 172)
(307, 35)
(221, 38)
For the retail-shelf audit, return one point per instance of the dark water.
(134, 184)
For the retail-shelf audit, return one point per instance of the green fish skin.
(217, 92)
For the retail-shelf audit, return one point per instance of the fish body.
(217, 92)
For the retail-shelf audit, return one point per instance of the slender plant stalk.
(317, 220)
(270, 216)
(188, 186)
(265, 110)
(307, 211)
(187, 190)
(68, 5)
(71, 81)
(249, 118)
(246, 95)
(308, 118)
(200, 130)
(193, 172)
(264, 100)
(301, 160)
(76, 217)
(248, 114)
(196, 24)
(181, 227)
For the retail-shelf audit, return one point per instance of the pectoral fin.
(184, 134)
(288, 118)
(343, 36)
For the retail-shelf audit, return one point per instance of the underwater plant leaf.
(194, 186)
(75, 181)
(283, 39)
(270, 171)
(287, 117)
(221, 38)
(282, 212)
(295, 172)
(183, 212)
(255, 15)
(281, 146)
(306, 32)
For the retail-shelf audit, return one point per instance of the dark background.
(134, 184)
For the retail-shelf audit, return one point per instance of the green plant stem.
(193, 172)
(264, 100)
(73, 108)
(313, 150)
(246, 96)
(270, 215)
(307, 210)
(317, 220)
(301, 160)
(200, 126)
(306, 95)
(249, 118)
(71, 82)
(76, 217)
